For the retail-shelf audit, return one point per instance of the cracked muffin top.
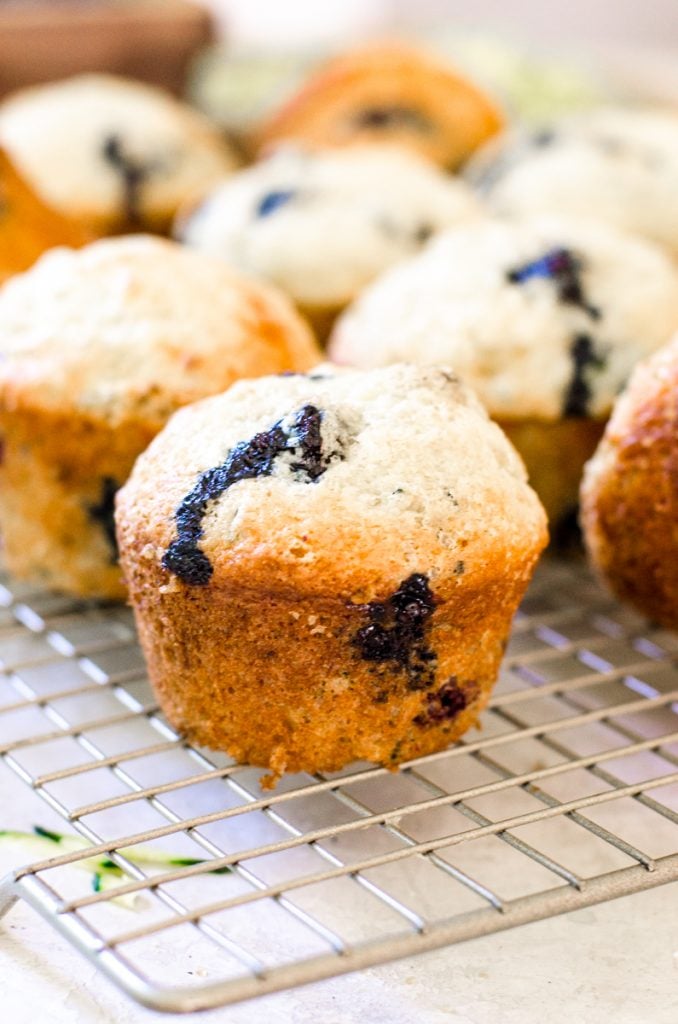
(113, 153)
(545, 318)
(133, 327)
(338, 479)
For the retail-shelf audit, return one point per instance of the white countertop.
(614, 962)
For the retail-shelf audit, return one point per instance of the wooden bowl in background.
(153, 40)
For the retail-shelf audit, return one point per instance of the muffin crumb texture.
(324, 567)
(99, 347)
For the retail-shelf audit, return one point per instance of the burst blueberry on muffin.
(387, 92)
(98, 347)
(325, 566)
(322, 225)
(110, 153)
(615, 165)
(629, 497)
(544, 318)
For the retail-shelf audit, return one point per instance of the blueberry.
(245, 461)
(564, 268)
(396, 631)
(272, 201)
(445, 703)
(133, 174)
(102, 512)
(578, 393)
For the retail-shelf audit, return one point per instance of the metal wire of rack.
(567, 797)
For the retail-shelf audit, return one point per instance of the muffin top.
(629, 498)
(133, 327)
(544, 318)
(387, 91)
(642, 429)
(112, 152)
(322, 225)
(338, 479)
(614, 165)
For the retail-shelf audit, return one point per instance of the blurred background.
(587, 22)
(158, 40)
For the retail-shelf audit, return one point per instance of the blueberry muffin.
(629, 497)
(322, 225)
(27, 226)
(97, 348)
(324, 567)
(113, 154)
(387, 92)
(615, 165)
(544, 318)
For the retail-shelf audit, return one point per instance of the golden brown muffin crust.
(359, 613)
(99, 347)
(28, 227)
(629, 497)
(416, 99)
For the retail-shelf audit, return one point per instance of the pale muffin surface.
(113, 153)
(322, 225)
(97, 348)
(140, 324)
(544, 317)
(616, 165)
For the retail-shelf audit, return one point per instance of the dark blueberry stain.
(562, 267)
(385, 118)
(272, 201)
(396, 631)
(103, 513)
(584, 357)
(133, 174)
(246, 461)
(444, 704)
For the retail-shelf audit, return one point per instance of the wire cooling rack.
(567, 796)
